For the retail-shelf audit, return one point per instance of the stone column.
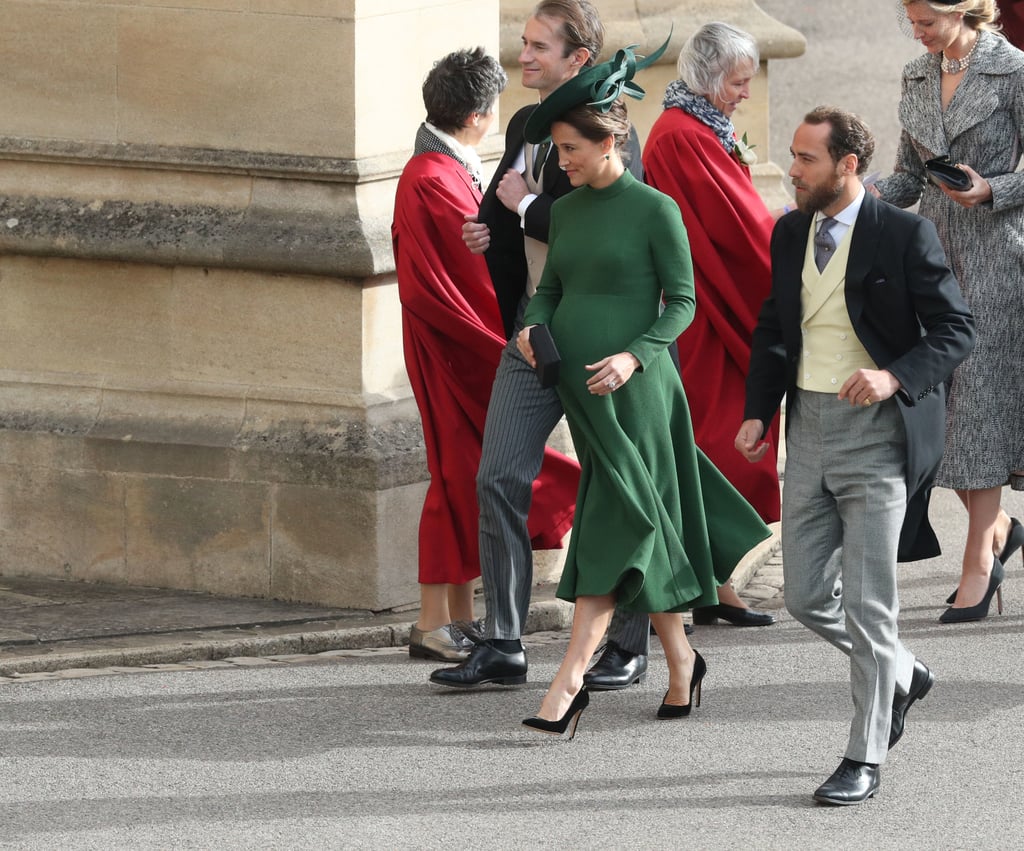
(201, 375)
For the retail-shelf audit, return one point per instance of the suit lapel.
(790, 264)
(920, 107)
(866, 236)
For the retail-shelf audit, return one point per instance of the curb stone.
(199, 650)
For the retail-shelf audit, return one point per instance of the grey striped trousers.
(520, 418)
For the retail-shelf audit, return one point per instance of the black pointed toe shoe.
(852, 783)
(571, 716)
(980, 611)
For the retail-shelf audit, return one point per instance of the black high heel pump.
(671, 710)
(980, 611)
(1014, 541)
(572, 715)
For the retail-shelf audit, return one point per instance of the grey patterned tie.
(824, 245)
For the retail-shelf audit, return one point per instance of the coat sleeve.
(670, 252)
(947, 321)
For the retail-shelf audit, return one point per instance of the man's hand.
(476, 235)
(512, 189)
(867, 386)
(748, 441)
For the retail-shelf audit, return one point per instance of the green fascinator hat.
(598, 86)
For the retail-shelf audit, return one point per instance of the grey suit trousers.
(520, 418)
(844, 502)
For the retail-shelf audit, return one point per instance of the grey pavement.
(354, 749)
(49, 626)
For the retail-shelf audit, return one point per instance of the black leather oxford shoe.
(616, 669)
(732, 614)
(851, 783)
(486, 664)
(920, 685)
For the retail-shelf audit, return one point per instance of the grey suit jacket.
(906, 309)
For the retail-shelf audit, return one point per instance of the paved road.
(357, 751)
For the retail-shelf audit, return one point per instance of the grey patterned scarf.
(427, 142)
(678, 94)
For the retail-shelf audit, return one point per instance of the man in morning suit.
(864, 324)
(560, 38)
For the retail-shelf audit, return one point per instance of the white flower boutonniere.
(744, 152)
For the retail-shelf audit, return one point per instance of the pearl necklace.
(955, 66)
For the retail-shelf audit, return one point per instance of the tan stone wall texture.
(201, 373)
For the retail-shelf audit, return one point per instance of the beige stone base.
(206, 519)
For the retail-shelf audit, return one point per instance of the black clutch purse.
(944, 173)
(546, 354)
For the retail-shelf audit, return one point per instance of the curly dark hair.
(849, 134)
(460, 84)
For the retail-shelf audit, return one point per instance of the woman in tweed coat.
(965, 99)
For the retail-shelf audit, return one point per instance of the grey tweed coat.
(983, 126)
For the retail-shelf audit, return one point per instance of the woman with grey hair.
(963, 105)
(693, 156)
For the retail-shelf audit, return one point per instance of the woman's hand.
(524, 346)
(977, 194)
(871, 189)
(611, 372)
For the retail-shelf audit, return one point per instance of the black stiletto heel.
(1014, 541)
(572, 714)
(671, 710)
(980, 611)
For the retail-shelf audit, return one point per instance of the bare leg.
(589, 622)
(982, 518)
(433, 607)
(727, 595)
(460, 602)
(1002, 529)
(678, 654)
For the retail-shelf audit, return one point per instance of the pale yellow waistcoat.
(831, 352)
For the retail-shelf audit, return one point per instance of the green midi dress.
(656, 524)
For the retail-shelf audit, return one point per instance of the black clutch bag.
(944, 173)
(546, 354)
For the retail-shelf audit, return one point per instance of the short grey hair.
(712, 54)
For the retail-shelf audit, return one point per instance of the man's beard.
(813, 200)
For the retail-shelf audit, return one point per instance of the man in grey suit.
(560, 38)
(864, 324)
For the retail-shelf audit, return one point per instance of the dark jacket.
(506, 257)
(907, 311)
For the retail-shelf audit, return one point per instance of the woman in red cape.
(692, 155)
(453, 338)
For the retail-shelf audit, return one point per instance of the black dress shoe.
(920, 685)
(616, 669)
(733, 614)
(852, 783)
(485, 664)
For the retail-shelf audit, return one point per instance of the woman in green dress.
(657, 527)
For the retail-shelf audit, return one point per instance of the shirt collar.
(846, 216)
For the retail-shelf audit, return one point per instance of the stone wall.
(201, 376)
